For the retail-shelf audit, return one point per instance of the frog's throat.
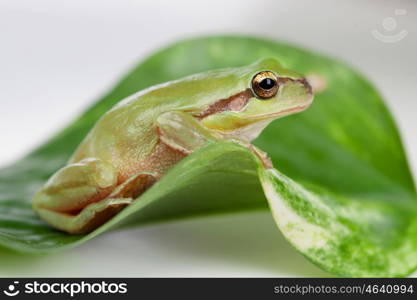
(235, 103)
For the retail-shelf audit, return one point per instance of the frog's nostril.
(309, 89)
(307, 85)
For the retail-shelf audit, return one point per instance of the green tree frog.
(136, 142)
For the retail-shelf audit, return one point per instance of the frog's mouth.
(257, 124)
(282, 113)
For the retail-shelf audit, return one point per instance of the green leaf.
(350, 205)
(346, 235)
(187, 190)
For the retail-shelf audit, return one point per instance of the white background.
(58, 56)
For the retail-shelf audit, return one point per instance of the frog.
(138, 140)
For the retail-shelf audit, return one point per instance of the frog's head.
(269, 92)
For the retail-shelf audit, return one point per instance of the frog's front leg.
(182, 131)
(262, 155)
(81, 196)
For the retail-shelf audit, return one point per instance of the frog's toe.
(88, 219)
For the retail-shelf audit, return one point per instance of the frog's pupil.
(267, 83)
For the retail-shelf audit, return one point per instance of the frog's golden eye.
(265, 85)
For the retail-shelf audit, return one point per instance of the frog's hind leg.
(88, 219)
(76, 185)
(96, 214)
(81, 196)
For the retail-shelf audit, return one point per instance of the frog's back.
(127, 133)
(124, 133)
